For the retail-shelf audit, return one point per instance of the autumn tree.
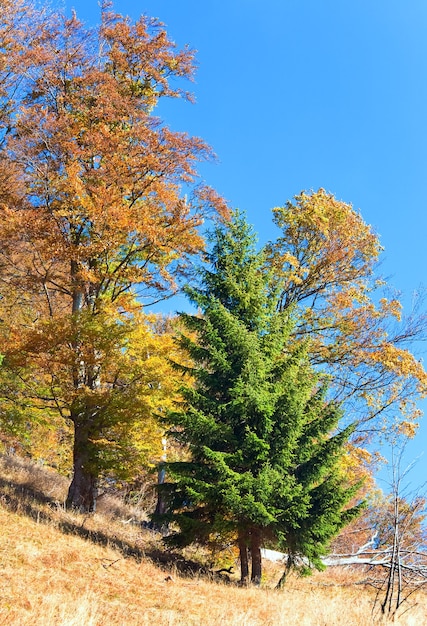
(388, 541)
(109, 208)
(324, 265)
(262, 437)
(399, 521)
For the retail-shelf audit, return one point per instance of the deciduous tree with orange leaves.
(324, 264)
(100, 217)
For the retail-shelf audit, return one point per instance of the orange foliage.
(99, 202)
(103, 178)
(324, 267)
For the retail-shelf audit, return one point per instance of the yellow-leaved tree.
(136, 383)
(324, 266)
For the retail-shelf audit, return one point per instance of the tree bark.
(161, 506)
(284, 576)
(244, 562)
(256, 571)
(82, 493)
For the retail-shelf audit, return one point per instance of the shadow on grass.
(23, 498)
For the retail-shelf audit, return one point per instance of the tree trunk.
(289, 563)
(82, 492)
(161, 506)
(256, 556)
(244, 563)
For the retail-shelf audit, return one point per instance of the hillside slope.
(55, 572)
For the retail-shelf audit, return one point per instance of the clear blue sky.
(302, 94)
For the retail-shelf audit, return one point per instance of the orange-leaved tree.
(104, 220)
(325, 264)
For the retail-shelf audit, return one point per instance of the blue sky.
(302, 94)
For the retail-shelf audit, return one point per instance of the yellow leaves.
(400, 361)
(349, 299)
(358, 464)
(391, 307)
(326, 237)
(114, 366)
(50, 442)
(407, 428)
(324, 264)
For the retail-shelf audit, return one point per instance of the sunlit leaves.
(104, 179)
(116, 370)
(325, 246)
(100, 202)
(324, 265)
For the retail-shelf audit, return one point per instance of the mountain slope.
(58, 569)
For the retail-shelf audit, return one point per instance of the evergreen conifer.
(263, 440)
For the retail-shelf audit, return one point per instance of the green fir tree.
(264, 450)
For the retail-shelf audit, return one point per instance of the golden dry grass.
(59, 569)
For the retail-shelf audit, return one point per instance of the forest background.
(302, 95)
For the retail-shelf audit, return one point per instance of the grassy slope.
(58, 569)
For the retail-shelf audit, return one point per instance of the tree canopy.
(325, 265)
(100, 208)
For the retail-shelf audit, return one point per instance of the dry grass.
(59, 569)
